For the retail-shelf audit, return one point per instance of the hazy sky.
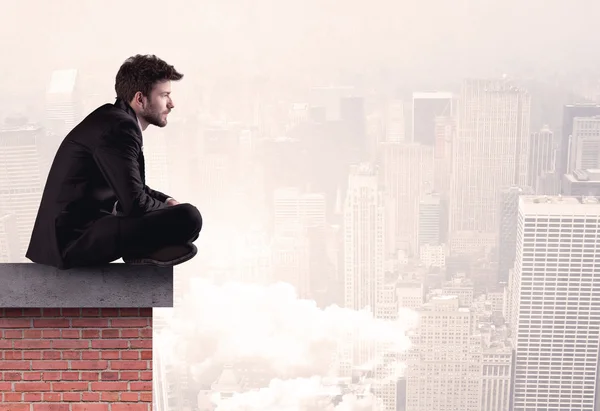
(425, 37)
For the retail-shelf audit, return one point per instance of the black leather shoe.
(166, 256)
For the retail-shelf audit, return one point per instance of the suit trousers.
(113, 237)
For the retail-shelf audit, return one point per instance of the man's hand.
(171, 202)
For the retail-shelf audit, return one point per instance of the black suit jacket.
(99, 162)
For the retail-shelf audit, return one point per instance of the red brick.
(70, 344)
(70, 386)
(140, 386)
(12, 312)
(90, 312)
(14, 407)
(51, 323)
(5, 386)
(51, 312)
(32, 376)
(146, 355)
(6, 344)
(32, 334)
(90, 376)
(51, 407)
(146, 376)
(90, 396)
(71, 397)
(128, 365)
(109, 312)
(12, 397)
(72, 355)
(146, 312)
(129, 376)
(109, 396)
(129, 407)
(71, 312)
(129, 312)
(14, 365)
(110, 333)
(51, 376)
(130, 397)
(51, 355)
(12, 334)
(32, 355)
(130, 333)
(130, 322)
(141, 344)
(32, 312)
(32, 397)
(146, 396)
(90, 323)
(110, 355)
(108, 344)
(109, 386)
(110, 376)
(70, 334)
(50, 365)
(15, 323)
(52, 397)
(90, 333)
(146, 332)
(13, 355)
(32, 386)
(90, 407)
(32, 344)
(13, 376)
(90, 355)
(89, 365)
(48, 334)
(130, 355)
(70, 376)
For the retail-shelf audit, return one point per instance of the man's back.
(77, 192)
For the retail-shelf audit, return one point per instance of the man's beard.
(154, 117)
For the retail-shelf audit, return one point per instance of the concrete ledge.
(113, 286)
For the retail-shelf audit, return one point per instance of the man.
(96, 206)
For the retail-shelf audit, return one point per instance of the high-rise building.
(407, 176)
(507, 241)
(430, 219)
(292, 206)
(556, 304)
(490, 152)
(571, 111)
(585, 144)
(541, 156)
(426, 107)
(395, 128)
(63, 102)
(20, 180)
(444, 366)
(581, 183)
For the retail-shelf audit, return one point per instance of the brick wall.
(77, 359)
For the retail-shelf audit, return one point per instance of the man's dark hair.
(141, 73)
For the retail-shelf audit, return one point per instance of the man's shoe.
(166, 256)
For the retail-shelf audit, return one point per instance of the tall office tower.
(363, 251)
(430, 219)
(444, 366)
(541, 156)
(291, 258)
(445, 131)
(570, 112)
(490, 152)
(507, 230)
(63, 104)
(581, 183)
(585, 144)
(395, 128)
(556, 304)
(9, 240)
(20, 181)
(407, 176)
(497, 370)
(426, 107)
(292, 206)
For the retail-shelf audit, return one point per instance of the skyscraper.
(571, 111)
(541, 156)
(490, 151)
(426, 107)
(555, 301)
(584, 148)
